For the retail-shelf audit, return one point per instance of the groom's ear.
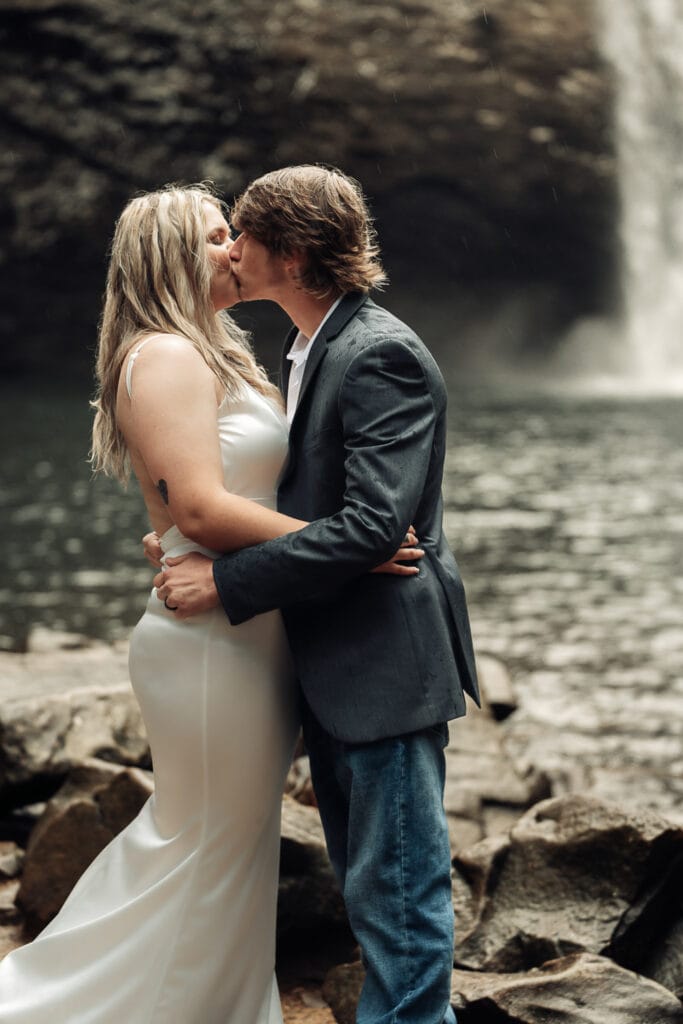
(294, 263)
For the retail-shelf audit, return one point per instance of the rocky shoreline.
(567, 908)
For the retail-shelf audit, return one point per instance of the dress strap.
(129, 368)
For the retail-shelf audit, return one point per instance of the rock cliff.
(480, 132)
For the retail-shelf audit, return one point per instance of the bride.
(174, 922)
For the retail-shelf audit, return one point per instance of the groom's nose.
(236, 248)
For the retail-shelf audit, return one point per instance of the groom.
(382, 661)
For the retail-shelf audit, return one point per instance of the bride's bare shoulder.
(157, 347)
(167, 358)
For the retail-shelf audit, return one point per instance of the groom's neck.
(306, 311)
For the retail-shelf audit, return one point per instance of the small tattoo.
(162, 487)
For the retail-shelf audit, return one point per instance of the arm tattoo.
(162, 487)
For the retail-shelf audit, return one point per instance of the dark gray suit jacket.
(376, 655)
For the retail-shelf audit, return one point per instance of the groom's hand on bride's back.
(186, 585)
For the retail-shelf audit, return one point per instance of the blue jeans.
(381, 806)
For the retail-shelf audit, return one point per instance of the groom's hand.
(186, 585)
(408, 552)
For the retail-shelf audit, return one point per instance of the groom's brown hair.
(321, 212)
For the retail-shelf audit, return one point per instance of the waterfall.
(643, 40)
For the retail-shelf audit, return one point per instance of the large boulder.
(480, 132)
(60, 705)
(578, 989)
(309, 901)
(341, 991)
(99, 799)
(664, 961)
(96, 802)
(574, 874)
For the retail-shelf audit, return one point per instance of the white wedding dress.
(174, 922)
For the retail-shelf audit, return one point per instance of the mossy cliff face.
(480, 131)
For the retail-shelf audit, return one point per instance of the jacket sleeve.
(388, 420)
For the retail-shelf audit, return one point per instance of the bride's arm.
(170, 422)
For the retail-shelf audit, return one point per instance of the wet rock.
(298, 784)
(19, 824)
(578, 989)
(341, 991)
(11, 860)
(664, 963)
(309, 901)
(574, 874)
(11, 920)
(61, 706)
(95, 803)
(497, 692)
(486, 790)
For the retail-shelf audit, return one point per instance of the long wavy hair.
(322, 212)
(159, 280)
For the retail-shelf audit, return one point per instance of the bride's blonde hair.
(159, 280)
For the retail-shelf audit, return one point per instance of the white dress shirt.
(298, 354)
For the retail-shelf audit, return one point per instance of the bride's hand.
(152, 549)
(186, 585)
(408, 552)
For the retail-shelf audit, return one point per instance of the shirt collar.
(302, 345)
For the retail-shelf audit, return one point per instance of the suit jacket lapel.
(346, 309)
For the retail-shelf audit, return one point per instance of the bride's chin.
(226, 301)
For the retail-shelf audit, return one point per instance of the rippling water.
(71, 546)
(566, 514)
